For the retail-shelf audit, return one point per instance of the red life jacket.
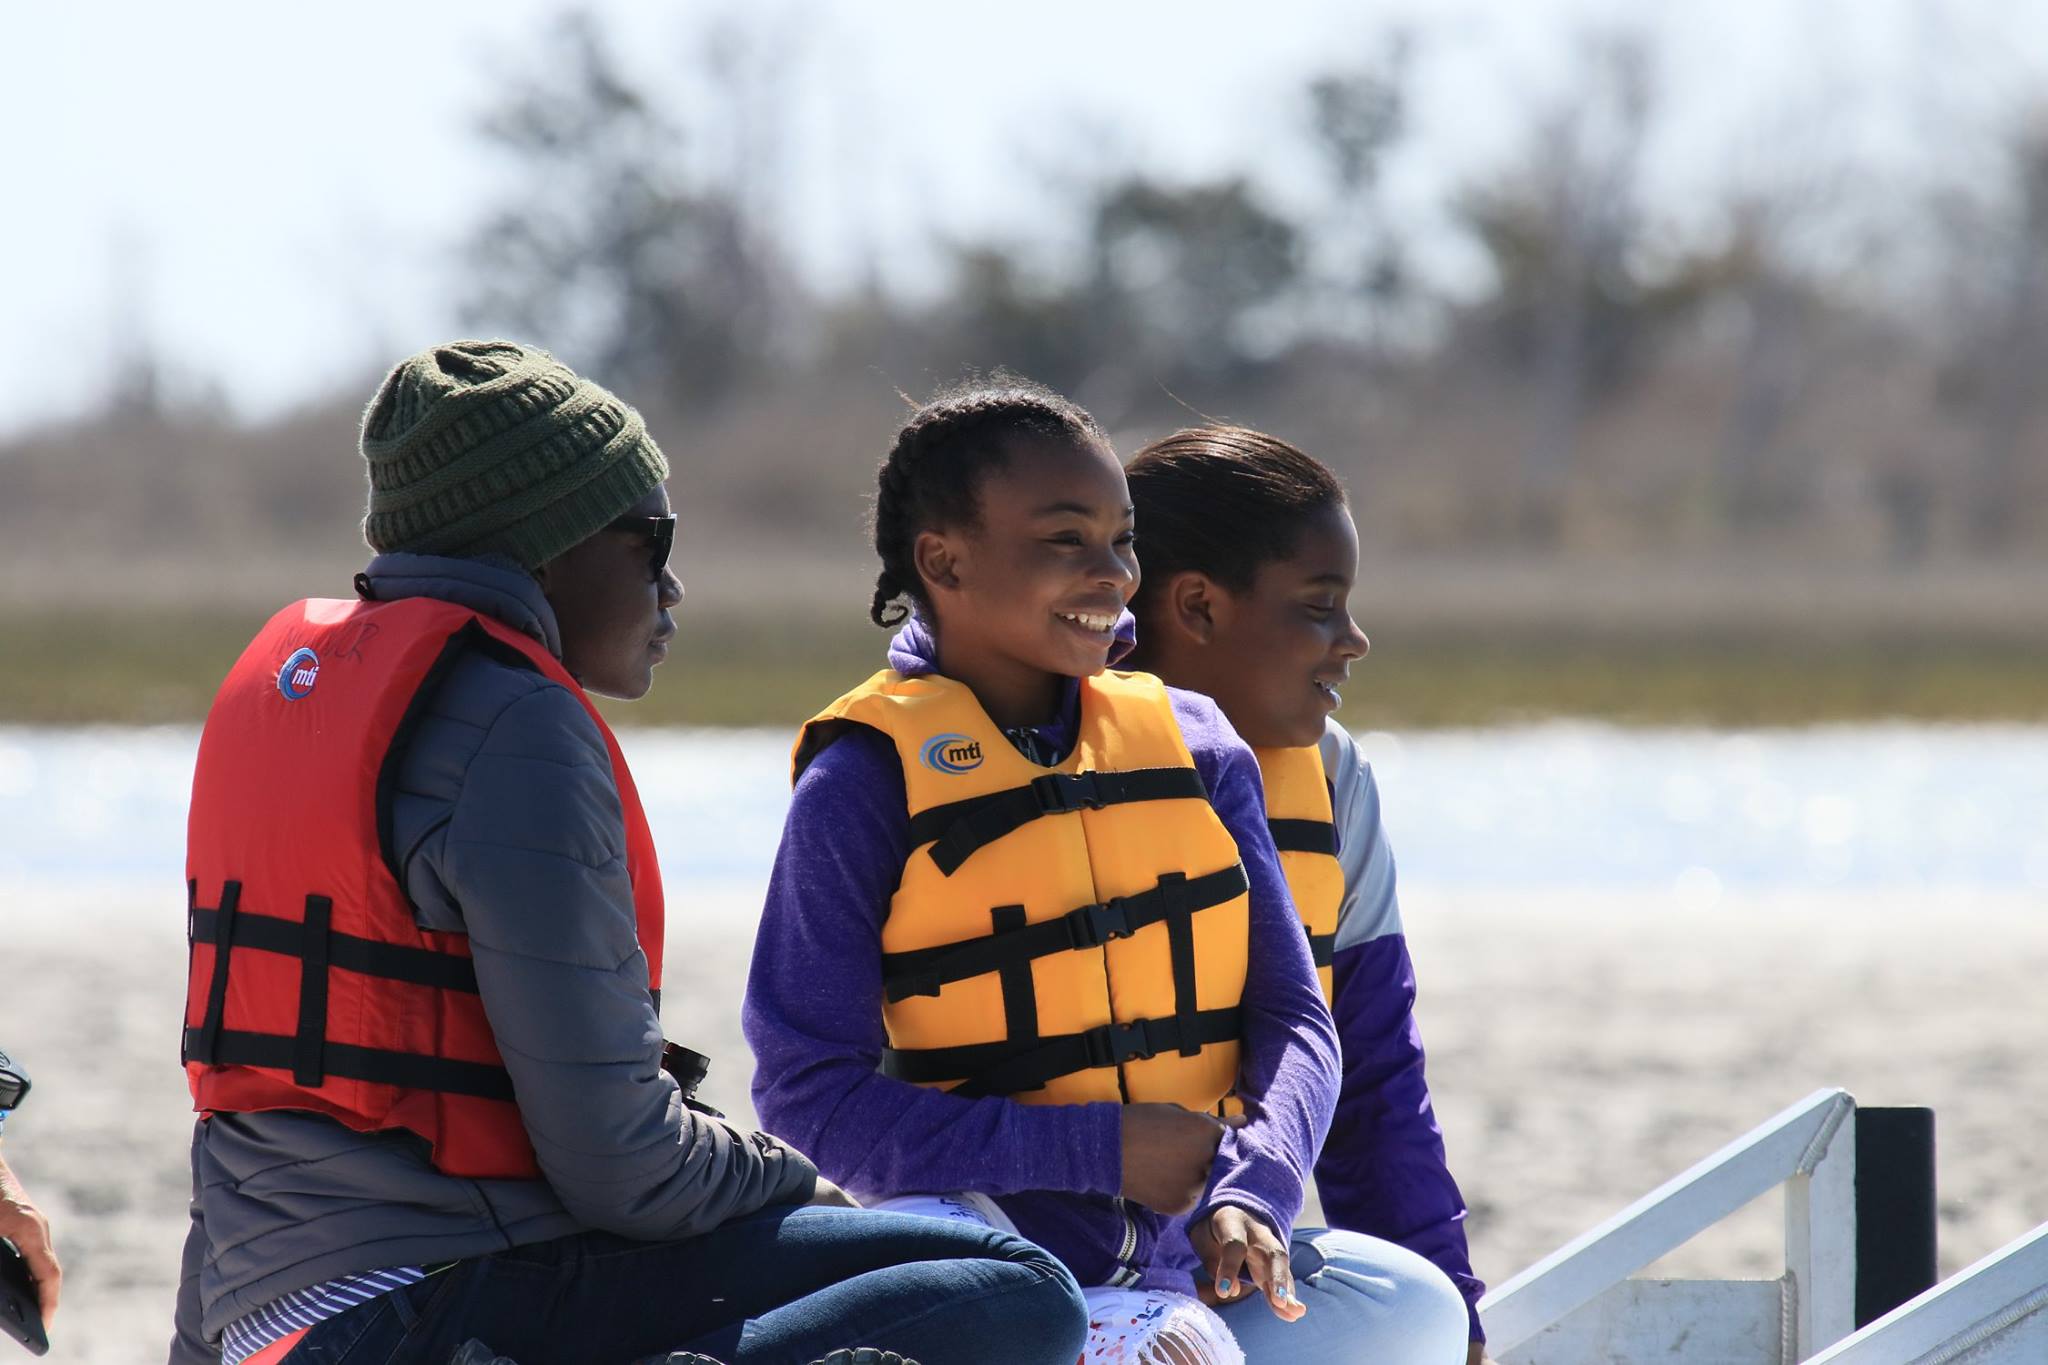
(311, 984)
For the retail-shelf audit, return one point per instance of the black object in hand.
(689, 1068)
(21, 1313)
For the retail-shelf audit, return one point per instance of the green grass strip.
(87, 667)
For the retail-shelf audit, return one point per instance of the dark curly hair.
(931, 477)
(1221, 501)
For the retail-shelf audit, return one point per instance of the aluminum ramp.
(1994, 1313)
(1582, 1306)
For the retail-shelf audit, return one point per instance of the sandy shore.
(1582, 1051)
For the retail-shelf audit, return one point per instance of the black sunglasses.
(661, 535)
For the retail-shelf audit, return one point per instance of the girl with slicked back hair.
(1250, 556)
(1027, 929)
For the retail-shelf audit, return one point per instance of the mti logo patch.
(298, 675)
(951, 754)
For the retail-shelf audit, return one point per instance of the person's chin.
(1081, 653)
(1302, 730)
(1084, 662)
(624, 688)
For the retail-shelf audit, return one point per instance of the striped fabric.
(301, 1308)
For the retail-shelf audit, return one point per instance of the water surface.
(1685, 813)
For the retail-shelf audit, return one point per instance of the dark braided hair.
(931, 477)
(1221, 501)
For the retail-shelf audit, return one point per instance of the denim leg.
(1367, 1300)
(782, 1285)
(976, 1295)
(386, 1329)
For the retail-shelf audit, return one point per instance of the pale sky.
(271, 196)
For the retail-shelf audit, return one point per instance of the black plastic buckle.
(1094, 925)
(1116, 1044)
(1063, 793)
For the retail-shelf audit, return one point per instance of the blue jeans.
(780, 1287)
(1368, 1300)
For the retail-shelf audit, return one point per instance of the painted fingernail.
(1225, 1287)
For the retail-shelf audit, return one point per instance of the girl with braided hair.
(1250, 557)
(1027, 929)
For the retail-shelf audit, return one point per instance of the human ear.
(1191, 602)
(937, 560)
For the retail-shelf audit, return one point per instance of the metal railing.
(1580, 1304)
(1994, 1313)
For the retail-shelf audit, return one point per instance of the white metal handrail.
(1996, 1311)
(1810, 1148)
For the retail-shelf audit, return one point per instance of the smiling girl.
(1250, 559)
(1027, 928)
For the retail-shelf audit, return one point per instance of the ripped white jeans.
(1368, 1301)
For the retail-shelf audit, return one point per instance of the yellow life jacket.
(1298, 812)
(1304, 830)
(1062, 934)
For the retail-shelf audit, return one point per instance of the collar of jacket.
(493, 585)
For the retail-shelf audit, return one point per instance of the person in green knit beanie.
(485, 449)
(481, 447)
(426, 931)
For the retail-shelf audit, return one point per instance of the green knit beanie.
(481, 447)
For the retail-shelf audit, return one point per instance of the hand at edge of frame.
(23, 1224)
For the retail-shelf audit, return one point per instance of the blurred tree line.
(1822, 369)
(1610, 379)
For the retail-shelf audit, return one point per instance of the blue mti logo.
(299, 674)
(951, 754)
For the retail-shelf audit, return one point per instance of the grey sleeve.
(533, 856)
(1371, 908)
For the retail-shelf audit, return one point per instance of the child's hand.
(1232, 1242)
(1167, 1154)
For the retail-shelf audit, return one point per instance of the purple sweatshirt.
(1383, 1169)
(813, 1019)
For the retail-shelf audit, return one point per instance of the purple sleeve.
(1288, 1069)
(814, 1021)
(1383, 1170)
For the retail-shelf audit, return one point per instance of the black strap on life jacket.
(377, 1066)
(217, 989)
(1304, 836)
(392, 961)
(924, 970)
(958, 829)
(1024, 1060)
(1309, 836)
(1020, 989)
(308, 1053)
(1003, 1069)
